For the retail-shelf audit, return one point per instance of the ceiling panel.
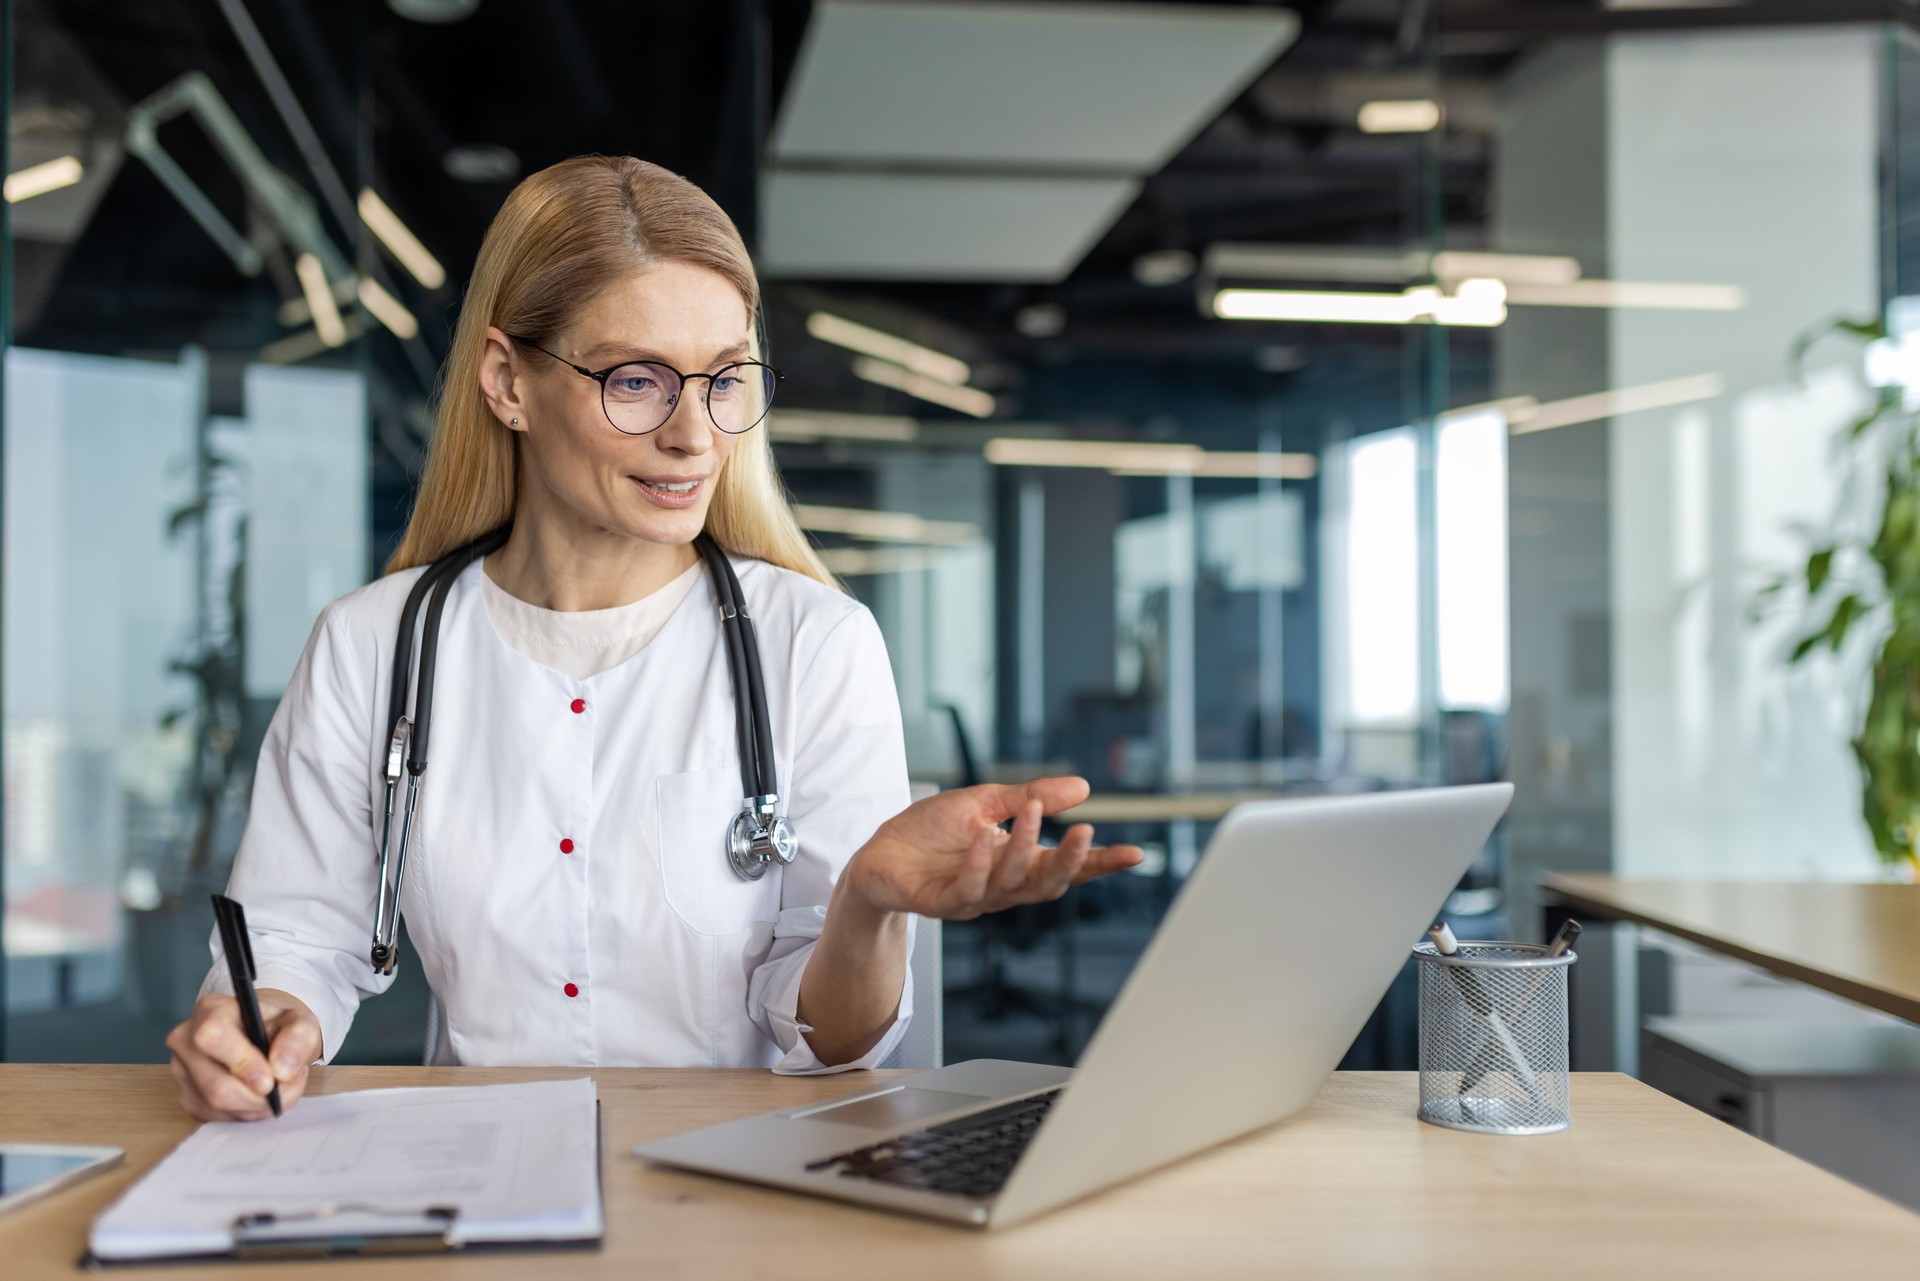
(1052, 86)
(871, 226)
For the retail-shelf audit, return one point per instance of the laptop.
(1271, 958)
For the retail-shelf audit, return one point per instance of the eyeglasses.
(639, 396)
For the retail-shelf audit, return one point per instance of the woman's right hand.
(222, 1077)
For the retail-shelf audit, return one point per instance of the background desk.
(1641, 1187)
(1159, 807)
(1860, 941)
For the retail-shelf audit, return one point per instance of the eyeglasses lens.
(640, 397)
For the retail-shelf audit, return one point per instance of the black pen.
(239, 949)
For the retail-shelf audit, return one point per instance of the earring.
(514, 423)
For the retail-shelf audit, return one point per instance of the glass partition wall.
(1177, 553)
(190, 460)
(1422, 415)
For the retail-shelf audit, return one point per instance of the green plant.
(1854, 579)
(216, 666)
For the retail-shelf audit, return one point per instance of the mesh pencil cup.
(1493, 1038)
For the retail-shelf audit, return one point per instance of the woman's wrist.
(855, 904)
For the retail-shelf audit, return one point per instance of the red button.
(579, 705)
(571, 990)
(566, 847)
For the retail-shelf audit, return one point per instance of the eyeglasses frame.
(601, 375)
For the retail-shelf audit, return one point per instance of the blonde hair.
(563, 235)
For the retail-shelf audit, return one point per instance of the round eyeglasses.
(640, 395)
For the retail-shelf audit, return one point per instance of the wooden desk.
(1860, 941)
(1641, 1187)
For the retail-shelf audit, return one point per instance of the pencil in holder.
(1493, 1038)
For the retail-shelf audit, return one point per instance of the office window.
(1381, 579)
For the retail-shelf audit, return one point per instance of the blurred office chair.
(1020, 929)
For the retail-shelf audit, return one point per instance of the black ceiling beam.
(1518, 18)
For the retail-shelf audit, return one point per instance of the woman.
(568, 888)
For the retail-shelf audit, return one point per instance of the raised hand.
(947, 856)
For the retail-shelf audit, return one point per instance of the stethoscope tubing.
(757, 772)
(768, 836)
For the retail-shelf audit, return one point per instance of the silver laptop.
(1265, 968)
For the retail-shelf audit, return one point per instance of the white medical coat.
(567, 890)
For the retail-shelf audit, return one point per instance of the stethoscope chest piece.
(758, 838)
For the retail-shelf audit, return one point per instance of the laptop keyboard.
(970, 1157)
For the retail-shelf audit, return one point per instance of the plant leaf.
(1819, 565)
(1844, 614)
(181, 517)
(1866, 330)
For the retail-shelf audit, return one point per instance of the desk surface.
(1640, 1187)
(1860, 941)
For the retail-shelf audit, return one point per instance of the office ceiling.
(851, 140)
(955, 140)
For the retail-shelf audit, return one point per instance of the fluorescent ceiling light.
(1620, 400)
(1295, 304)
(387, 309)
(1229, 261)
(297, 347)
(1628, 293)
(1409, 115)
(1163, 267)
(925, 361)
(1532, 269)
(38, 180)
(320, 304)
(802, 426)
(1100, 455)
(401, 243)
(294, 311)
(1477, 302)
(1147, 458)
(1236, 465)
(1512, 408)
(968, 400)
(855, 562)
(884, 527)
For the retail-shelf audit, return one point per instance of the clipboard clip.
(342, 1229)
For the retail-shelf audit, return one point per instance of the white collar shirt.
(567, 891)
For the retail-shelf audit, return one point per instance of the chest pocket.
(694, 810)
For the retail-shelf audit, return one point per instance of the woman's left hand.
(947, 856)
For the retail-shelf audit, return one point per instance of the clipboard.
(355, 1230)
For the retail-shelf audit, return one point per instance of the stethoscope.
(757, 837)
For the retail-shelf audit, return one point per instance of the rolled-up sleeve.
(848, 775)
(306, 871)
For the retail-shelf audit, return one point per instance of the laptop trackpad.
(894, 1108)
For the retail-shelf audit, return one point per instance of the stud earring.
(514, 423)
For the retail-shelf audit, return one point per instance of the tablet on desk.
(31, 1170)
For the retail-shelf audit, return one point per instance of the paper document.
(515, 1162)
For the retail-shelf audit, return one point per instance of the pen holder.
(1493, 1038)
